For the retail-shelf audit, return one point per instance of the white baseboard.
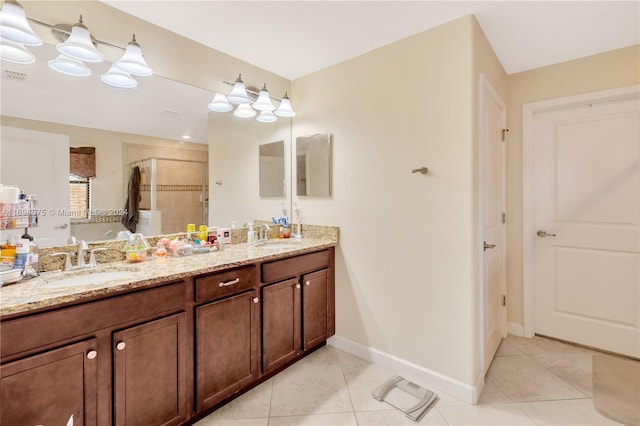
(420, 375)
(515, 329)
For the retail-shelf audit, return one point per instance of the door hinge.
(504, 134)
(504, 217)
(504, 300)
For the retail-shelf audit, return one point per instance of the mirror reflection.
(271, 166)
(313, 165)
(129, 128)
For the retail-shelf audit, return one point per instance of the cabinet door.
(315, 312)
(51, 388)
(150, 373)
(227, 334)
(280, 323)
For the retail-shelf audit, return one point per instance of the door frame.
(487, 89)
(529, 111)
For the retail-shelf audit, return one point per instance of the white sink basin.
(280, 245)
(88, 279)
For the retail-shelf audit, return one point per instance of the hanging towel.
(132, 205)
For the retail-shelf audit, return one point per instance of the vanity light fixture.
(14, 25)
(250, 100)
(285, 110)
(79, 45)
(244, 111)
(264, 102)
(133, 62)
(76, 47)
(220, 103)
(266, 117)
(239, 94)
(11, 51)
(69, 66)
(117, 77)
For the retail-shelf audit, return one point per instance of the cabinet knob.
(92, 354)
(255, 300)
(121, 345)
(307, 283)
(297, 285)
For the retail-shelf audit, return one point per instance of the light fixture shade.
(285, 110)
(117, 77)
(11, 51)
(264, 102)
(266, 117)
(239, 94)
(69, 66)
(220, 103)
(244, 111)
(14, 25)
(79, 45)
(133, 62)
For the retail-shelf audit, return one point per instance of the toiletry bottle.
(8, 255)
(32, 259)
(251, 235)
(22, 253)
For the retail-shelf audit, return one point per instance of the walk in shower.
(173, 193)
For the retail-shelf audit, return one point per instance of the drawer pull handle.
(228, 283)
(255, 300)
(121, 345)
(92, 354)
(307, 282)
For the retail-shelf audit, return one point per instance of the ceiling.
(295, 38)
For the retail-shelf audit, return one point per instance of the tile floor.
(530, 382)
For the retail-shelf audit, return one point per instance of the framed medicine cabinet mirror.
(313, 165)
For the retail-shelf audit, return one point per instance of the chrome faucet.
(83, 247)
(263, 235)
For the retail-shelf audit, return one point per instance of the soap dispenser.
(251, 235)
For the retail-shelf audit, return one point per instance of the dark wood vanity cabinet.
(150, 373)
(52, 387)
(227, 335)
(298, 311)
(165, 355)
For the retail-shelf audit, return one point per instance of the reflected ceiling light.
(14, 25)
(285, 110)
(244, 111)
(117, 77)
(264, 102)
(133, 62)
(266, 117)
(220, 103)
(11, 51)
(69, 66)
(79, 44)
(239, 94)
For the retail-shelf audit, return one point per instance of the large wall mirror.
(313, 165)
(148, 121)
(271, 165)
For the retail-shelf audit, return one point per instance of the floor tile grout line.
(353, 409)
(553, 373)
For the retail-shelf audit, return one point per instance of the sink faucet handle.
(67, 260)
(92, 257)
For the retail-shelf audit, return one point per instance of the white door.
(493, 123)
(586, 221)
(38, 163)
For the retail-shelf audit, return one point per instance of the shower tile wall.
(179, 184)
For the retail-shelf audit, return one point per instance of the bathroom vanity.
(167, 344)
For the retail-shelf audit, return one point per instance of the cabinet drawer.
(221, 284)
(290, 267)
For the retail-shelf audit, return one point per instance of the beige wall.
(608, 70)
(405, 262)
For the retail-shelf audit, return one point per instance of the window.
(79, 197)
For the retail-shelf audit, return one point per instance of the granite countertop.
(39, 293)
